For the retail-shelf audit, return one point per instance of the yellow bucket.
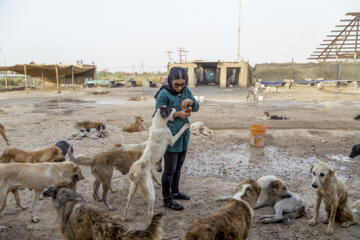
(257, 135)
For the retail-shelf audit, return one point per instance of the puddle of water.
(339, 158)
(61, 106)
(240, 161)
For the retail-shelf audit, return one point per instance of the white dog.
(197, 128)
(140, 175)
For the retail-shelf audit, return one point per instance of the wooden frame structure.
(51, 73)
(344, 44)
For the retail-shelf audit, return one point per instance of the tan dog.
(2, 132)
(14, 155)
(82, 221)
(87, 124)
(102, 166)
(140, 174)
(36, 177)
(233, 221)
(333, 192)
(137, 126)
(137, 99)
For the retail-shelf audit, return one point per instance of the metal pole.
(238, 52)
(26, 82)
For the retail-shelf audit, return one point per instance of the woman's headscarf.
(174, 74)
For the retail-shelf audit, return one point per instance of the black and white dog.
(355, 151)
(64, 146)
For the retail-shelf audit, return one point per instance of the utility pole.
(133, 70)
(239, 27)
(182, 54)
(169, 55)
(141, 67)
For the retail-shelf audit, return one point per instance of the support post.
(26, 82)
(6, 84)
(42, 78)
(57, 79)
(72, 77)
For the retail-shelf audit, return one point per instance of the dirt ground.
(321, 128)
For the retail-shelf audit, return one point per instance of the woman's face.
(178, 84)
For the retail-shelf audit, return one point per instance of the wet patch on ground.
(237, 162)
(61, 106)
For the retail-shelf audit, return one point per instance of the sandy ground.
(321, 128)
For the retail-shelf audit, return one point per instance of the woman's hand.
(186, 102)
(182, 114)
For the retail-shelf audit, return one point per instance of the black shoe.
(173, 205)
(180, 195)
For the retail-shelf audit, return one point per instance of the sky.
(119, 34)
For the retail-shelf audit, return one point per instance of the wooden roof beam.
(351, 44)
(339, 39)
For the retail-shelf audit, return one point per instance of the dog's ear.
(56, 151)
(274, 185)
(311, 168)
(165, 111)
(331, 171)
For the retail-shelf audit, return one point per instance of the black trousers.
(172, 171)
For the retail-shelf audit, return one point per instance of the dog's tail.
(81, 160)
(355, 207)
(153, 232)
(224, 198)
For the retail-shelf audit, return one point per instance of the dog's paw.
(35, 219)
(113, 190)
(325, 220)
(329, 230)
(123, 218)
(346, 224)
(312, 222)
(2, 228)
(111, 208)
(23, 208)
(265, 221)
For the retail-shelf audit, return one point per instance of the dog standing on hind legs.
(160, 137)
(332, 191)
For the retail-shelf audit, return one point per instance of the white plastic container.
(201, 98)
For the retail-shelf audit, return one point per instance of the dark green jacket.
(166, 98)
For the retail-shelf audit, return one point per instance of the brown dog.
(87, 124)
(14, 155)
(333, 192)
(2, 132)
(102, 166)
(36, 177)
(82, 221)
(233, 221)
(137, 126)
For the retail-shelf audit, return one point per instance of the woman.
(174, 93)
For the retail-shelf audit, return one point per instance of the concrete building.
(223, 74)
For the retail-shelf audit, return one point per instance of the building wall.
(243, 78)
